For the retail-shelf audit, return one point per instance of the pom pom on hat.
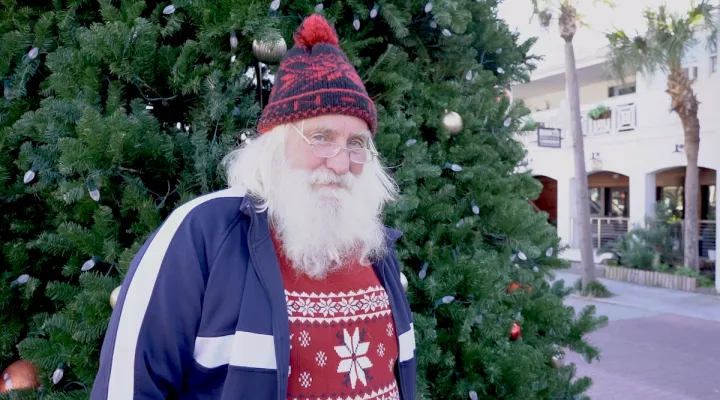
(315, 29)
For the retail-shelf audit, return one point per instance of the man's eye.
(356, 144)
(318, 138)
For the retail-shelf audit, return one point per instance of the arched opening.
(670, 188)
(609, 206)
(547, 201)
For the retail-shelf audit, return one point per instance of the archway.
(670, 188)
(609, 206)
(547, 201)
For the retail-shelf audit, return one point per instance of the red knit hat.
(316, 78)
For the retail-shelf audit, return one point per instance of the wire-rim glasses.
(358, 155)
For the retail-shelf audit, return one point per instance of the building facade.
(633, 148)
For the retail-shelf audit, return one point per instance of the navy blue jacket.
(202, 312)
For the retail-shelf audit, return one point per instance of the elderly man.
(285, 285)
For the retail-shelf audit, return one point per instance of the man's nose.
(340, 164)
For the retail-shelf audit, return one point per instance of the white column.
(564, 208)
(717, 225)
(642, 198)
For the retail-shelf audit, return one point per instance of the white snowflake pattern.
(304, 339)
(383, 301)
(381, 350)
(305, 380)
(321, 358)
(326, 307)
(368, 303)
(391, 364)
(390, 329)
(354, 357)
(348, 306)
(306, 307)
(291, 306)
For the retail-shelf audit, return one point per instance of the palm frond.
(664, 45)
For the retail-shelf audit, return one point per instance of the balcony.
(552, 126)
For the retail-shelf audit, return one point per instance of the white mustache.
(324, 177)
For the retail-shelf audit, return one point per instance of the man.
(285, 285)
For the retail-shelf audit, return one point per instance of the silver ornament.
(452, 122)
(269, 51)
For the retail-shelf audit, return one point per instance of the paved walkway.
(659, 345)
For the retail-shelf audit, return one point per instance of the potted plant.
(600, 112)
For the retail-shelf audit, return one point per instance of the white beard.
(324, 230)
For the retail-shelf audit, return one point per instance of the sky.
(627, 15)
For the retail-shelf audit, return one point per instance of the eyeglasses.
(358, 155)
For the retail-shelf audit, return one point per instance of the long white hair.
(320, 231)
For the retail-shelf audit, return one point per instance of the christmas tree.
(116, 112)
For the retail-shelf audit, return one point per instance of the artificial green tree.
(115, 112)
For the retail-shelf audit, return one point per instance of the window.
(691, 72)
(620, 90)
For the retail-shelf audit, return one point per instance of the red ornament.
(515, 286)
(19, 375)
(515, 331)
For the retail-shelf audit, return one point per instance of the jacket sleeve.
(149, 342)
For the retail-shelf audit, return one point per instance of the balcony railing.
(706, 238)
(606, 229)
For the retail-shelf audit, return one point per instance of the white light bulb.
(410, 142)
(29, 176)
(507, 122)
(33, 53)
(448, 299)
(356, 24)
(522, 256)
(88, 265)
(57, 376)
(319, 7)
(169, 9)
(275, 5)
(446, 32)
(23, 279)
(428, 7)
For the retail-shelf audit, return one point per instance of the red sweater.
(342, 336)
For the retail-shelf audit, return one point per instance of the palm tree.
(662, 48)
(568, 22)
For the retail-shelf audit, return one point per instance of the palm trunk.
(582, 196)
(685, 104)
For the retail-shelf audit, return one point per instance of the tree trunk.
(685, 104)
(582, 196)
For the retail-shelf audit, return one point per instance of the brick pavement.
(657, 357)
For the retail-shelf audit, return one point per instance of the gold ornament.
(114, 296)
(269, 51)
(404, 281)
(19, 375)
(452, 122)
